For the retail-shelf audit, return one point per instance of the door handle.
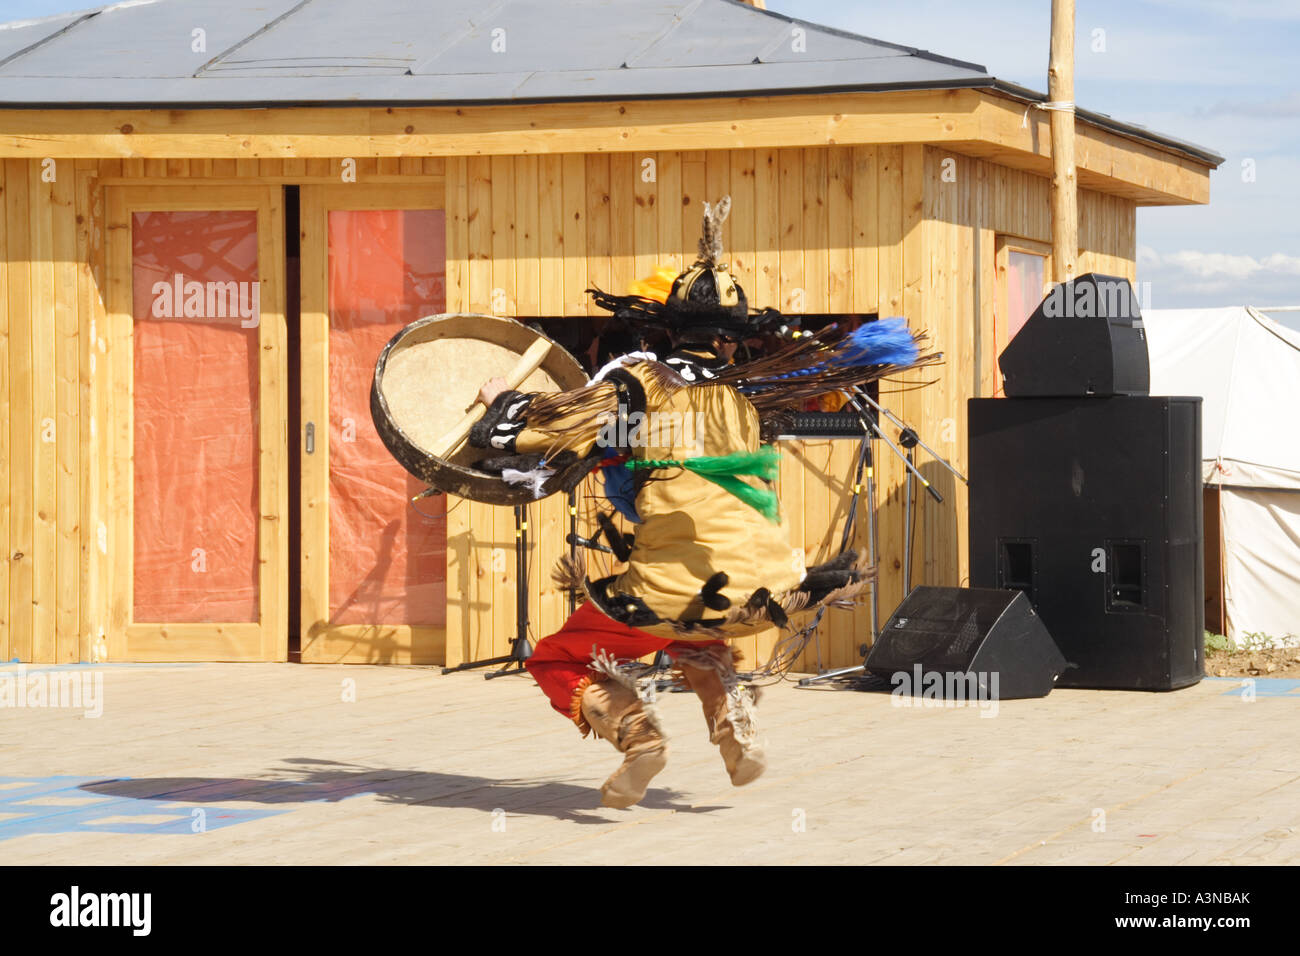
(311, 438)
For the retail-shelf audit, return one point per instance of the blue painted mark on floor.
(64, 804)
(1264, 686)
(16, 667)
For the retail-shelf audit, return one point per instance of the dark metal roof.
(269, 53)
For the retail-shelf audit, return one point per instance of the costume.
(681, 442)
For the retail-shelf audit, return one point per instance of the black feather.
(713, 600)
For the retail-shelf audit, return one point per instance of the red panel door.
(374, 563)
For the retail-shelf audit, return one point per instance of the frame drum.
(426, 380)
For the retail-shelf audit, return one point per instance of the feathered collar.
(693, 363)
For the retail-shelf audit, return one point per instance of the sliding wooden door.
(195, 538)
(373, 564)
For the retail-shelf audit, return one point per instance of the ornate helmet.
(705, 299)
(707, 291)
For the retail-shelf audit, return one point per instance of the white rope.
(1061, 106)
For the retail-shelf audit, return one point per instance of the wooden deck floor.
(225, 763)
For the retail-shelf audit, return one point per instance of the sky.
(1223, 74)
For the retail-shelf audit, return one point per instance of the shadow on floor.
(308, 780)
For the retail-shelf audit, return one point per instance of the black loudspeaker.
(988, 642)
(1085, 338)
(1092, 508)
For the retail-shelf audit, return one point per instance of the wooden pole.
(1065, 194)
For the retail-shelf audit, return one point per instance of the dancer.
(681, 443)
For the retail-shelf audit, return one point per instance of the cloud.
(1281, 107)
(1208, 265)
(1191, 278)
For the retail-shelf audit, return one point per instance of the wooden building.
(215, 213)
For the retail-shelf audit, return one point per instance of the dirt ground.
(1270, 662)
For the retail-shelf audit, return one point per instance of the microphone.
(587, 543)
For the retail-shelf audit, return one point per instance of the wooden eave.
(976, 122)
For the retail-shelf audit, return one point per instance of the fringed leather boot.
(728, 708)
(616, 713)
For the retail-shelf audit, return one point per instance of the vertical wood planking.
(645, 214)
(844, 626)
(573, 171)
(598, 249)
(691, 205)
(118, 423)
(864, 261)
(888, 211)
(669, 208)
(966, 290)
(504, 302)
(92, 381)
(461, 580)
(44, 332)
(947, 178)
(479, 633)
(551, 292)
(740, 224)
(18, 212)
(767, 228)
(550, 231)
(622, 230)
(865, 257)
(274, 444)
(7, 275)
(527, 265)
(67, 362)
(914, 292)
(984, 272)
(502, 255)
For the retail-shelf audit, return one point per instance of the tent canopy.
(1247, 368)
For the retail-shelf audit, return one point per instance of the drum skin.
(427, 376)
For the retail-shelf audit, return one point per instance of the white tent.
(1247, 368)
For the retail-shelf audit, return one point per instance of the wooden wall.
(874, 229)
(906, 230)
(48, 306)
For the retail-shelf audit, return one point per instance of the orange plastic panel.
(195, 303)
(388, 562)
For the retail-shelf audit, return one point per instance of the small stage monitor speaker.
(970, 637)
(1085, 339)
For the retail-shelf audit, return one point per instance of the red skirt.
(559, 662)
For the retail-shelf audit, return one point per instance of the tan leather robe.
(690, 527)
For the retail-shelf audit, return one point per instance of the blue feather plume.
(884, 342)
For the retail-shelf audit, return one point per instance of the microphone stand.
(520, 647)
(908, 437)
